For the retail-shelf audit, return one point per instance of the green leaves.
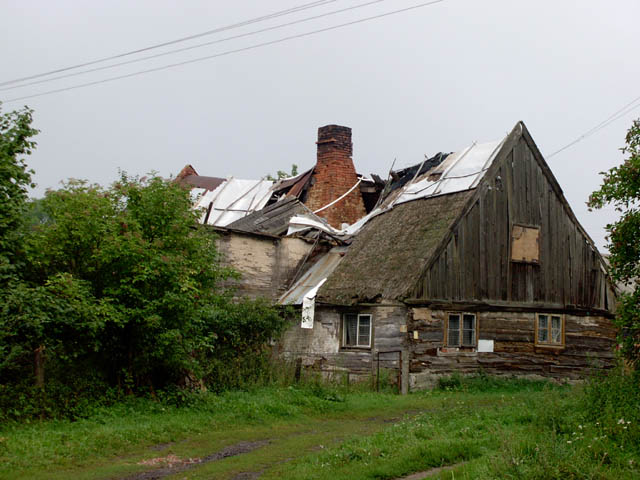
(118, 283)
(621, 187)
(15, 143)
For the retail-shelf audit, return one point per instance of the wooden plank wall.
(475, 265)
(589, 344)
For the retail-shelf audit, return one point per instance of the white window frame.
(344, 330)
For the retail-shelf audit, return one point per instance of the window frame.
(549, 343)
(344, 330)
(461, 330)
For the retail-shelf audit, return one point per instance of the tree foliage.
(280, 174)
(16, 143)
(621, 188)
(118, 284)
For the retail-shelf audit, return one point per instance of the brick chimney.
(334, 174)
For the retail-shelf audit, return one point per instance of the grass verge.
(486, 428)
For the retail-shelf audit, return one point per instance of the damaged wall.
(321, 347)
(267, 264)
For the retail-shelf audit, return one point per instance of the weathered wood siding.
(320, 347)
(475, 264)
(589, 342)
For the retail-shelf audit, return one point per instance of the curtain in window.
(543, 328)
(556, 330)
(351, 329)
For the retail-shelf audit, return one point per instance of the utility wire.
(280, 13)
(199, 45)
(621, 112)
(228, 52)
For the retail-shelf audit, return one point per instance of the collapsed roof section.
(282, 207)
(301, 206)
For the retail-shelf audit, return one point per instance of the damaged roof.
(233, 199)
(313, 277)
(273, 219)
(387, 256)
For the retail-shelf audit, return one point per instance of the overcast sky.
(431, 79)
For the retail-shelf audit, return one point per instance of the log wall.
(589, 342)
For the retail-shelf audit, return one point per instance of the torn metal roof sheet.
(206, 183)
(232, 200)
(314, 277)
(459, 171)
(273, 219)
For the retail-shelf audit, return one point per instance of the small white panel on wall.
(308, 310)
(485, 345)
(309, 305)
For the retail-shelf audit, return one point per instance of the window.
(549, 329)
(356, 330)
(461, 330)
(525, 244)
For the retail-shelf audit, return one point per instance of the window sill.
(352, 348)
(457, 352)
(549, 346)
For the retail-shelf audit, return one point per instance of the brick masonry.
(335, 174)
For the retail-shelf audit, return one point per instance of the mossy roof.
(388, 256)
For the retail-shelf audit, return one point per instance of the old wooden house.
(467, 261)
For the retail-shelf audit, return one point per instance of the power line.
(199, 45)
(621, 112)
(270, 16)
(228, 52)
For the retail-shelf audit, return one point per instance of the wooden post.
(378, 374)
(404, 367)
(298, 369)
(38, 366)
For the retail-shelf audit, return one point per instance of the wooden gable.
(518, 242)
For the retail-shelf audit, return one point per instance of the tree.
(16, 142)
(124, 280)
(111, 287)
(621, 188)
(282, 174)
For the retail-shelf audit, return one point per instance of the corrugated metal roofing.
(460, 171)
(233, 199)
(313, 277)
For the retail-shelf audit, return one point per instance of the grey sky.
(429, 80)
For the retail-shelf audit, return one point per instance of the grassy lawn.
(482, 428)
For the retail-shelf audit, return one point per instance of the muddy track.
(431, 472)
(176, 465)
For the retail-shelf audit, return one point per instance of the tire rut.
(177, 465)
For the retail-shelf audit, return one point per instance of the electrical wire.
(228, 52)
(270, 16)
(621, 112)
(191, 47)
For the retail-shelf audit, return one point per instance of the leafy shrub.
(452, 382)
